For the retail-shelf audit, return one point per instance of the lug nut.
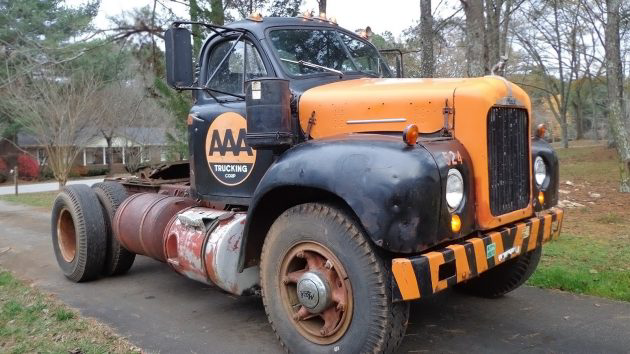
(285, 280)
(341, 307)
(300, 254)
(323, 332)
(328, 264)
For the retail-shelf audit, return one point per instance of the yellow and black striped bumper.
(423, 275)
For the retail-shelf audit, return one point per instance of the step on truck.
(321, 180)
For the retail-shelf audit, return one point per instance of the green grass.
(40, 200)
(592, 254)
(31, 322)
(585, 266)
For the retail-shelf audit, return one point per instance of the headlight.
(454, 189)
(540, 171)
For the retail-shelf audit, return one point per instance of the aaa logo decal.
(230, 159)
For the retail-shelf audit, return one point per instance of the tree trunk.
(110, 157)
(564, 127)
(476, 56)
(322, 6)
(616, 107)
(426, 33)
(193, 12)
(579, 116)
(217, 14)
(493, 31)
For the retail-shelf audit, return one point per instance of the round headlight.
(454, 189)
(540, 171)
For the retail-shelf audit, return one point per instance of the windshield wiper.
(311, 65)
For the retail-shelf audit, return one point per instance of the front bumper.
(434, 271)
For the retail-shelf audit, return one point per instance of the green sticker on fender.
(491, 250)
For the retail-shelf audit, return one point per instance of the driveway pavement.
(161, 311)
(44, 187)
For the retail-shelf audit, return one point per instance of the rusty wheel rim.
(66, 235)
(332, 323)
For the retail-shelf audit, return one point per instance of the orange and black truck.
(322, 181)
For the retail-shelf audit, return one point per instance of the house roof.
(130, 136)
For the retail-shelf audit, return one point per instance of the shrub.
(3, 166)
(3, 177)
(45, 174)
(97, 172)
(27, 166)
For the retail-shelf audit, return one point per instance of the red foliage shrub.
(3, 166)
(27, 166)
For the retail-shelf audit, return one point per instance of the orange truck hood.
(395, 103)
(389, 105)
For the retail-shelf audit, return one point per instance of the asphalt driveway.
(161, 311)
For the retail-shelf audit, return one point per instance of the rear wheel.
(324, 288)
(118, 259)
(504, 278)
(78, 233)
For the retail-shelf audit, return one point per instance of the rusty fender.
(204, 244)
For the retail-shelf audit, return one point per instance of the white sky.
(380, 15)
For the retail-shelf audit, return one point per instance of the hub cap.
(313, 292)
(316, 292)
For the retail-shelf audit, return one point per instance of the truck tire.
(320, 244)
(504, 278)
(118, 260)
(78, 233)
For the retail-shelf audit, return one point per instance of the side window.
(243, 63)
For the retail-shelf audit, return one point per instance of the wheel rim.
(66, 236)
(331, 323)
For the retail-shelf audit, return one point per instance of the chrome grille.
(508, 159)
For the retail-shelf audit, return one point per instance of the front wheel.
(504, 278)
(324, 288)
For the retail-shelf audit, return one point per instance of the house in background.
(132, 147)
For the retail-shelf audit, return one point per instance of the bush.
(27, 167)
(3, 166)
(97, 172)
(46, 173)
(3, 177)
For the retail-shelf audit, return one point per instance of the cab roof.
(258, 28)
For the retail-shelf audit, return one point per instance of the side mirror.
(179, 68)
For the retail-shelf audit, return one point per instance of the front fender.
(394, 189)
(551, 185)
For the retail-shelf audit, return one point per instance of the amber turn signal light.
(456, 223)
(541, 198)
(541, 130)
(410, 134)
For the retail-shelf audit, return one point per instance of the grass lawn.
(40, 200)
(592, 255)
(31, 322)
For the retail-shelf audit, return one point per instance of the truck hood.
(389, 105)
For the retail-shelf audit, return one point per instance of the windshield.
(328, 48)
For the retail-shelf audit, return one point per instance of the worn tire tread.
(504, 278)
(392, 316)
(118, 260)
(89, 226)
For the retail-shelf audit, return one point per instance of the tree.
(322, 6)
(476, 55)
(36, 33)
(59, 109)
(426, 34)
(614, 73)
(549, 36)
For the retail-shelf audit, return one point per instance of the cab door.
(225, 168)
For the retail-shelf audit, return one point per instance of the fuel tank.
(200, 243)
(204, 244)
(141, 220)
